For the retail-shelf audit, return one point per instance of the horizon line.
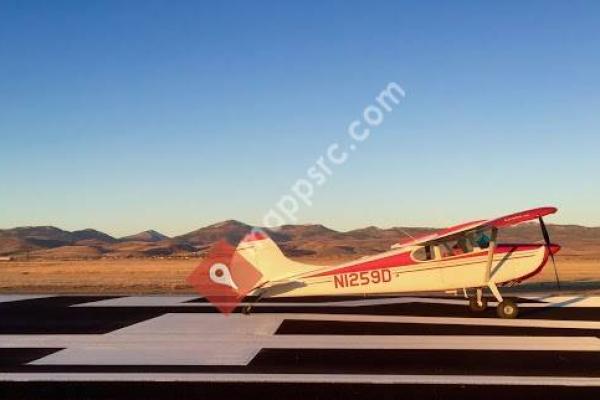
(260, 227)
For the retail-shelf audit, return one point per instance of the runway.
(180, 346)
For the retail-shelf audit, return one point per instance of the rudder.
(263, 253)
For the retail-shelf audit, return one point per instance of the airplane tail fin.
(262, 252)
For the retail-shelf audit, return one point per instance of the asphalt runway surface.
(153, 347)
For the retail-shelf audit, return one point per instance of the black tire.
(474, 306)
(508, 309)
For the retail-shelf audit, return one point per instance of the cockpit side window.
(424, 254)
(445, 249)
(456, 247)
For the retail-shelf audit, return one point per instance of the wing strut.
(491, 251)
(490, 263)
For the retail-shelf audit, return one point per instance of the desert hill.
(146, 236)
(230, 230)
(309, 241)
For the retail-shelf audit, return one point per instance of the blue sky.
(125, 116)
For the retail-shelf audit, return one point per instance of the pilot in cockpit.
(482, 240)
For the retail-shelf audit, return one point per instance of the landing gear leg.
(247, 310)
(507, 308)
(479, 303)
(495, 291)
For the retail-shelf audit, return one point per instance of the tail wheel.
(508, 309)
(474, 305)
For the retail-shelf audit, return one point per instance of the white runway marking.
(5, 298)
(181, 301)
(216, 339)
(483, 380)
(232, 342)
(138, 351)
(204, 325)
(527, 323)
(140, 301)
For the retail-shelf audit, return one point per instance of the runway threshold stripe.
(9, 298)
(314, 327)
(357, 362)
(54, 301)
(471, 321)
(478, 380)
(435, 310)
(43, 315)
(304, 300)
(18, 356)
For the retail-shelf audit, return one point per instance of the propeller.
(549, 245)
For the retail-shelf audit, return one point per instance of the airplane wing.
(502, 222)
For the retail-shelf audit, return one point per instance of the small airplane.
(465, 257)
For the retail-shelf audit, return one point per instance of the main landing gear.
(506, 308)
(477, 307)
(479, 303)
(247, 310)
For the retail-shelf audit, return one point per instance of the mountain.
(33, 238)
(391, 234)
(67, 252)
(30, 238)
(91, 236)
(162, 248)
(40, 234)
(574, 239)
(146, 236)
(14, 245)
(305, 232)
(304, 241)
(230, 230)
(320, 242)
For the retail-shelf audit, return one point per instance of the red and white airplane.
(464, 257)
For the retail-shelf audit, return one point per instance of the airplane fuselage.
(398, 271)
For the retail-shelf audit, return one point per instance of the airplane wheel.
(508, 309)
(474, 306)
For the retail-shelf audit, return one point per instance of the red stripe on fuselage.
(397, 260)
(405, 259)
